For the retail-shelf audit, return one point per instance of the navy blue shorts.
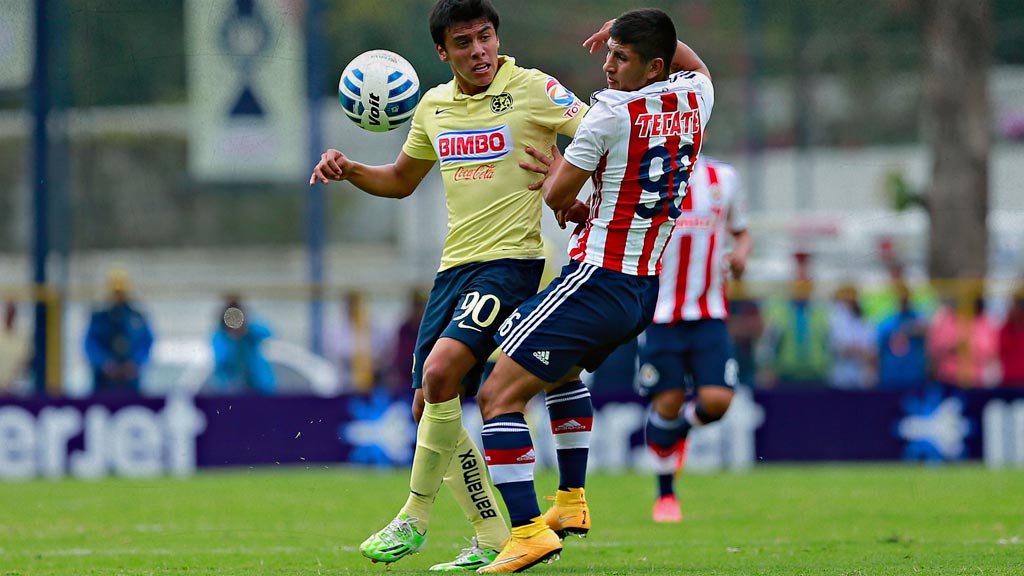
(469, 303)
(578, 320)
(686, 355)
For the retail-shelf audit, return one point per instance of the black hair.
(649, 32)
(448, 13)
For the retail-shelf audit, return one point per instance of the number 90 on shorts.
(477, 311)
(469, 302)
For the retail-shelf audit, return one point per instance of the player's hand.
(577, 214)
(542, 167)
(599, 38)
(332, 166)
(736, 265)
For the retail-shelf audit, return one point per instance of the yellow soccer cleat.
(569, 514)
(522, 552)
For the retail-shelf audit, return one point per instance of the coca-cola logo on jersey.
(674, 123)
(479, 145)
(483, 172)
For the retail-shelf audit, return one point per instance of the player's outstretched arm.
(599, 38)
(686, 59)
(396, 180)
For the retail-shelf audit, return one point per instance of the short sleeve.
(591, 141)
(417, 143)
(705, 95)
(553, 105)
(704, 89)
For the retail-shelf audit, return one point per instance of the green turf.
(824, 520)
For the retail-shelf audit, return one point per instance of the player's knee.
(715, 401)
(668, 403)
(497, 400)
(488, 402)
(440, 383)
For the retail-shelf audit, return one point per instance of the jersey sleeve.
(705, 95)
(704, 89)
(592, 137)
(553, 105)
(738, 220)
(417, 142)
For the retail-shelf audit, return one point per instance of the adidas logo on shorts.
(543, 356)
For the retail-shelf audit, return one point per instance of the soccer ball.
(379, 90)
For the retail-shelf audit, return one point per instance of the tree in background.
(957, 120)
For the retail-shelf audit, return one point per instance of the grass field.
(863, 520)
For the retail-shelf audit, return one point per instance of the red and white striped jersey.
(693, 273)
(641, 146)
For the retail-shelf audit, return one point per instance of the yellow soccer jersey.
(479, 141)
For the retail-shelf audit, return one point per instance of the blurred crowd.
(239, 356)
(895, 336)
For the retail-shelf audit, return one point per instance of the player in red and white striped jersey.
(638, 142)
(639, 180)
(693, 273)
(688, 344)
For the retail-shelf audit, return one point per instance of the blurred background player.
(688, 345)
(492, 258)
(607, 293)
(118, 340)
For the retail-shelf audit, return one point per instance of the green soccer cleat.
(469, 559)
(395, 541)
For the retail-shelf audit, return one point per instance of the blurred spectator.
(400, 373)
(239, 364)
(745, 327)
(902, 362)
(1011, 342)
(357, 346)
(964, 348)
(15, 353)
(118, 340)
(879, 303)
(797, 336)
(853, 343)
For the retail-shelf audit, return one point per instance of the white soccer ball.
(379, 90)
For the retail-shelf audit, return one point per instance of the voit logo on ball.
(379, 90)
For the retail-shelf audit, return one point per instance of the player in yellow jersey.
(484, 127)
